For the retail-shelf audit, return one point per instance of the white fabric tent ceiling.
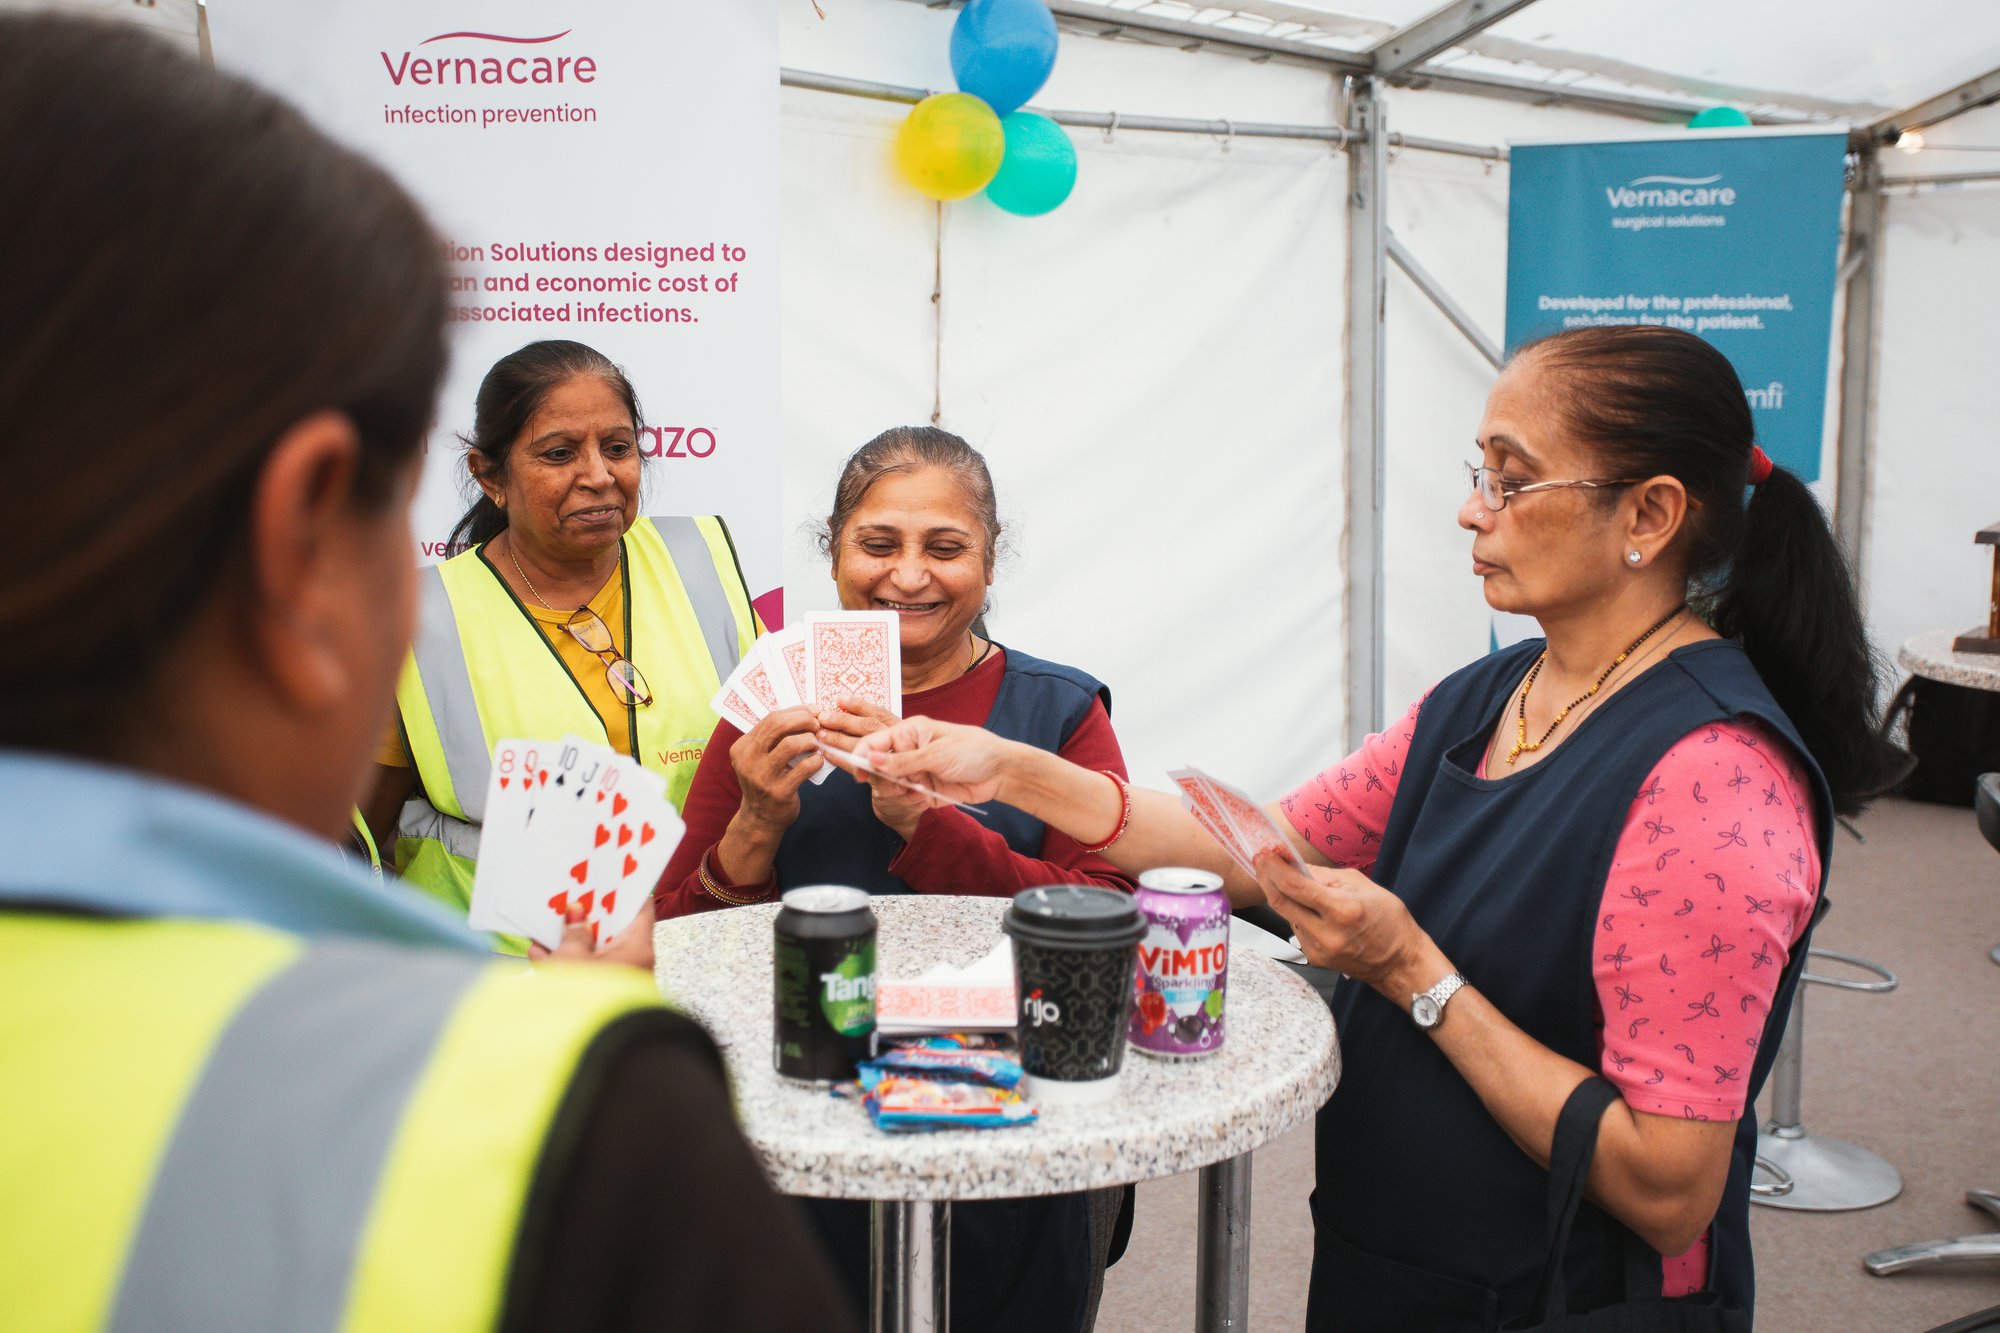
(1830, 59)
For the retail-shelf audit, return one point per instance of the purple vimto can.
(1183, 964)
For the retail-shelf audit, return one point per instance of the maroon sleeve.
(954, 853)
(712, 800)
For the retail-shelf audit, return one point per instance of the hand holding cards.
(816, 663)
(569, 824)
(1238, 824)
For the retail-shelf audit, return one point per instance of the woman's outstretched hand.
(957, 762)
(1346, 921)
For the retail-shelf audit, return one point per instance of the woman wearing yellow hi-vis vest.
(568, 614)
(243, 1085)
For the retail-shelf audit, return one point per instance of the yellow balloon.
(950, 146)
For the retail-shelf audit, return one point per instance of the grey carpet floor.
(1913, 1075)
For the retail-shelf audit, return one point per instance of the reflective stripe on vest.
(481, 669)
(215, 1127)
(258, 1205)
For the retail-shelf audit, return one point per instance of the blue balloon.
(1002, 50)
(1039, 169)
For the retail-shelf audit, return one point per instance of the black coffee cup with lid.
(1075, 948)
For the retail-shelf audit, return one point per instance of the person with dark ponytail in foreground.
(1588, 864)
(243, 1085)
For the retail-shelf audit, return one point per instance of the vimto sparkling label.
(1182, 978)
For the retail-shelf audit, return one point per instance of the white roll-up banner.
(601, 170)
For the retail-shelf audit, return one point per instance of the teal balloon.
(1717, 118)
(1039, 169)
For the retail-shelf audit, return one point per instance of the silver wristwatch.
(1427, 1010)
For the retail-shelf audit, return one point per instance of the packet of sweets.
(900, 1104)
(950, 1064)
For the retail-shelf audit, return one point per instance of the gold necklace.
(524, 574)
(1521, 743)
(977, 660)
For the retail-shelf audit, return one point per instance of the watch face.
(1425, 1010)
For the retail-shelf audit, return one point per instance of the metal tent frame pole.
(1854, 449)
(1442, 299)
(1367, 236)
(1339, 136)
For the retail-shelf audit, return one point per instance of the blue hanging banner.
(1733, 236)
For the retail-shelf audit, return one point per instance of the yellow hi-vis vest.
(482, 671)
(211, 1125)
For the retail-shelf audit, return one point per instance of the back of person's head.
(510, 395)
(1650, 401)
(187, 268)
(903, 449)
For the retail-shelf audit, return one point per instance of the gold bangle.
(1124, 814)
(717, 892)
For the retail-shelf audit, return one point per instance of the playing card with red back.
(1236, 822)
(855, 654)
(789, 647)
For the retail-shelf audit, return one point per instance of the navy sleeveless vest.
(1426, 1215)
(837, 839)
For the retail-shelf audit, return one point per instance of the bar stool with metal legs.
(1825, 1175)
(1987, 1246)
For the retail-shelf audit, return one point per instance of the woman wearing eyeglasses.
(1593, 855)
(568, 614)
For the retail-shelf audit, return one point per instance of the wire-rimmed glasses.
(1494, 491)
(588, 628)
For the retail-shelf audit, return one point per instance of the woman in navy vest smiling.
(914, 530)
(1592, 856)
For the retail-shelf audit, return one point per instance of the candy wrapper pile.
(953, 1081)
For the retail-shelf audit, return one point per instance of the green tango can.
(823, 976)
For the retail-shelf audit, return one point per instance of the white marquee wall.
(1154, 371)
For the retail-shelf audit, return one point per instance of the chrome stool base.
(1924, 1254)
(1827, 1175)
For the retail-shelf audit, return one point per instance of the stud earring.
(1634, 557)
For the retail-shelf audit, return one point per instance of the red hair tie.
(1760, 466)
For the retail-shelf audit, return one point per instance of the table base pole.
(1222, 1248)
(909, 1266)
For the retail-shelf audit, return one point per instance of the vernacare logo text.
(1671, 192)
(498, 61)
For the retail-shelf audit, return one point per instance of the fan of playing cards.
(1238, 824)
(830, 656)
(569, 824)
(824, 658)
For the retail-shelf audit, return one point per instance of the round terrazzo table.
(1930, 655)
(1279, 1065)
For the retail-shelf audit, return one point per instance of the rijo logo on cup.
(1038, 1010)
